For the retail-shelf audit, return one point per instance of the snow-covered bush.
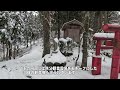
(66, 46)
(57, 57)
(54, 59)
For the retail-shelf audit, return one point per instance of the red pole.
(109, 43)
(96, 62)
(115, 57)
(115, 67)
(98, 46)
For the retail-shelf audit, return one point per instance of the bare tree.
(85, 38)
(46, 31)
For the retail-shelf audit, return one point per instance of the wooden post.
(96, 62)
(116, 57)
(98, 46)
(55, 45)
(109, 43)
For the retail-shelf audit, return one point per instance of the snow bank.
(104, 35)
(57, 57)
(34, 58)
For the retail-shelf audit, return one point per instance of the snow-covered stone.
(57, 57)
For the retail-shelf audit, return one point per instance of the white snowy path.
(14, 69)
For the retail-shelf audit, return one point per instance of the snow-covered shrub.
(56, 59)
(66, 46)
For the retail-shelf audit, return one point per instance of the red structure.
(115, 45)
(109, 43)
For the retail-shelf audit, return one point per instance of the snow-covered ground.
(20, 68)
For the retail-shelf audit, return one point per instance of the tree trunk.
(10, 50)
(14, 52)
(85, 53)
(17, 51)
(46, 30)
(97, 21)
(30, 43)
(58, 26)
(106, 17)
(7, 52)
(3, 51)
(27, 42)
(85, 40)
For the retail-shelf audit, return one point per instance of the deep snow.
(20, 68)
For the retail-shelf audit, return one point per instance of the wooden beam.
(102, 38)
(106, 47)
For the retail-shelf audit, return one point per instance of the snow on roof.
(104, 35)
(74, 21)
(115, 24)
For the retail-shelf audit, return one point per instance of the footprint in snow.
(4, 66)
